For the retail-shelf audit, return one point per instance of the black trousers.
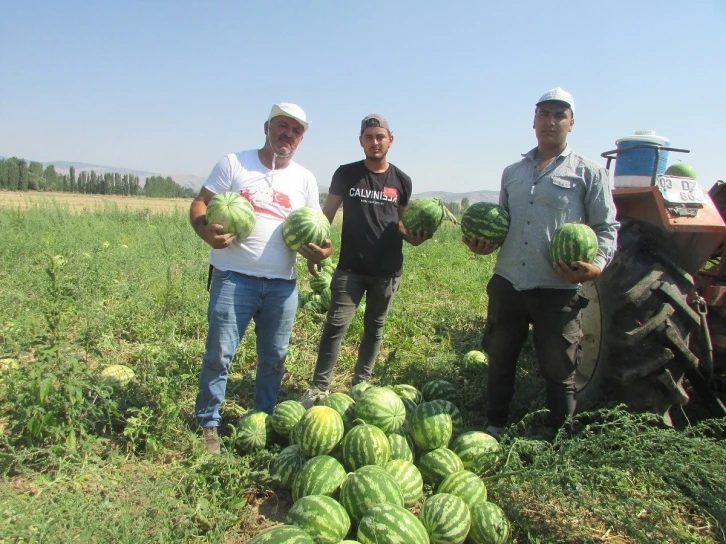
(555, 316)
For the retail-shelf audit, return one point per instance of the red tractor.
(655, 328)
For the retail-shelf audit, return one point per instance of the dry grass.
(78, 203)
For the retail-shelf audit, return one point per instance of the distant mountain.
(473, 196)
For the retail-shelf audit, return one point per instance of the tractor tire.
(636, 328)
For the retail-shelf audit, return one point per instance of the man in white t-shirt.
(254, 278)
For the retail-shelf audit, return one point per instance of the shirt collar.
(532, 153)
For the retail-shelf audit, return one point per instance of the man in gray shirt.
(550, 186)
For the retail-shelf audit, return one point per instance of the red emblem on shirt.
(390, 192)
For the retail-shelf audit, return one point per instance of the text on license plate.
(680, 190)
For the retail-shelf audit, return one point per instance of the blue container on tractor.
(636, 158)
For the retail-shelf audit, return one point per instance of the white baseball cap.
(558, 94)
(288, 109)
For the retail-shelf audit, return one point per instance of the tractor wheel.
(636, 328)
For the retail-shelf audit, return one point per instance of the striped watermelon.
(321, 282)
(489, 525)
(321, 475)
(234, 212)
(391, 524)
(329, 266)
(305, 226)
(475, 449)
(304, 296)
(474, 360)
(466, 485)
(253, 430)
(431, 426)
(381, 407)
(292, 439)
(446, 518)
(314, 304)
(344, 405)
(117, 375)
(439, 389)
(457, 421)
(365, 445)
(573, 242)
(282, 534)
(321, 517)
(409, 480)
(401, 446)
(326, 297)
(410, 409)
(485, 220)
(406, 391)
(287, 464)
(424, 214)
(321, 428)
(358, 389)
(366, 487)
(285, 415)
(438, 464)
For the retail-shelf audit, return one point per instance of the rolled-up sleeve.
(600, 210)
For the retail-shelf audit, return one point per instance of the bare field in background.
(90, 203)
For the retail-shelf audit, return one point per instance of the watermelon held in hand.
(234, 212)
(485, 220)
(573, 242)
(424, 214)
(117, 375)
(305, 226)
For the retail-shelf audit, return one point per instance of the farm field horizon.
(88, 281)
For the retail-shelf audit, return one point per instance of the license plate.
(677, 190)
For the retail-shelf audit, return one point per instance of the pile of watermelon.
(316, 298)
(359, 465)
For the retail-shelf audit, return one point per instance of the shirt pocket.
(555, 196)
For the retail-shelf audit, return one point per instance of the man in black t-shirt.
(374, 194)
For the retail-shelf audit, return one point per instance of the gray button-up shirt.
(571, 189)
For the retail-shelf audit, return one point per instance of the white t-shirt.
(274, 195)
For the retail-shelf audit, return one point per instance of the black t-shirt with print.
(371, 243)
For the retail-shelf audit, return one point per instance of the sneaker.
(496, 432)
(312, 396)
(211, 440)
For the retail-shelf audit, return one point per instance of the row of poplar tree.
(19, 175)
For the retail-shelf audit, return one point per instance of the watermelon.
(344, 405)
(321, 475)
(391, 524)
(424, 214)
(365, 445)
(489, 524)
(326, 296)
(292, 439)
(234, 212)
(329, 266)
(431, 426)
(573, 242)
(406, 391)
(681, 170)
(253, 430)
(287, 464)
(358, 389)
(323, 518)
(381, 407)
(283, 534)
(117, 375)
(485, 220)
(439, 389)
(409, 480)
(304, 296)
(474, 360)
(321, 282)
(475, 449)
(466, 485)
(410, 409)
(314, 304)
(305, 226)
(401, 446)
(285, 415)
(438, 464)
(446, 518)
(366, 487)
(457, 421)
(321, 428)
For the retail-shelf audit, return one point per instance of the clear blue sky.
(171, 86)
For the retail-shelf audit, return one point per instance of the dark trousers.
(347, 292)
(555, 316)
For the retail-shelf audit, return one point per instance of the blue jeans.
(236, 299)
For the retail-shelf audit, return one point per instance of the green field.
(80, 462)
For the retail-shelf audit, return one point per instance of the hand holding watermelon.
(416, 238)
(316, 254)
(480, 246)
(577, 271)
